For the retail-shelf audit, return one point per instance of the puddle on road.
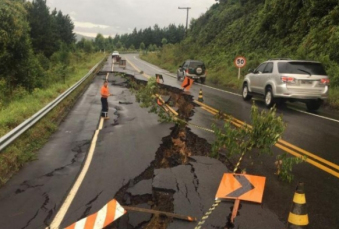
(176, 149)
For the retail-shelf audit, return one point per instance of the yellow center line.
(144, 75)
(326, 162)
(216, 111)
(309, 154)
(310, 161)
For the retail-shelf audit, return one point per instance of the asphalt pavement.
(316, 133)
(128, 146)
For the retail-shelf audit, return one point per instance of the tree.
(119, 45)
(109, 42)
(132, 47)
(142, 46)
(150, 48)
(43, 29)
(99, 42)
(18, 65)
(81, 43)
(65, 28)
(88, 46)
(64, 60)
(164, 41)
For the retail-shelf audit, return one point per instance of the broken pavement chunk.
(144, 187)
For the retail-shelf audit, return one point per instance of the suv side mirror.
(250, 70)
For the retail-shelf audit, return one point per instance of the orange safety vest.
(104, 92)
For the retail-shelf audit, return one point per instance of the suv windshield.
(196, 64)
(301, 68)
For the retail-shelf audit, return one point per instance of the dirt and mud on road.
(180, 179)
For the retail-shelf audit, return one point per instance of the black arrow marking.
(245, 186)
(188, 83)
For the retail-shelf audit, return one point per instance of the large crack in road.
(179, 179)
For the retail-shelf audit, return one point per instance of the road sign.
(240, 61)
(187, 83)
(242, 187)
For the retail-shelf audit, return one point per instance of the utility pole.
(185, 8)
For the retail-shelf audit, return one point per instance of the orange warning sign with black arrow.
(242, 187)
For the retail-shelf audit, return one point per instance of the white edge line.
(319, 116)
(72, 193)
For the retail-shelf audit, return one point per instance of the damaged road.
(183, 179)
(137, 160)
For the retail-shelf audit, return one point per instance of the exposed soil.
(175, 150)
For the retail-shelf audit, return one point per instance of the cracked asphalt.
(123, 168)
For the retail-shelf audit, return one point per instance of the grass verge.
(25, 147)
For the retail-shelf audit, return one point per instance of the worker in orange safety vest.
(104, 95)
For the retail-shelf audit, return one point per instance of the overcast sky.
(110, 17)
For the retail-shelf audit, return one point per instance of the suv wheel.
(202, 80)
(313, 105)
(269, 98)
(245, 94)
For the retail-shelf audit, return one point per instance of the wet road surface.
(124, 158)
(317, 135)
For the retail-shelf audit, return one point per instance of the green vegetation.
(250, 142)
(22, 104)
(24, 148)
(149, 38)
(259, 30)
(38, 61)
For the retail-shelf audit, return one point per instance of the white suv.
(279, 80)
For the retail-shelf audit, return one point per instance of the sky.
(111, 17)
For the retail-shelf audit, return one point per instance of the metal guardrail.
(28, 123)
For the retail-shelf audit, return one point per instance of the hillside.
(78, 37)
(259, 30)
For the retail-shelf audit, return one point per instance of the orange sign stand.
(158, 77)
(241, 187)
(187, 83)
(105, 216)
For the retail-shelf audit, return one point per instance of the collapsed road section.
(181, 178)
(137, 160)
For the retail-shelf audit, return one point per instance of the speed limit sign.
(240, 61)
